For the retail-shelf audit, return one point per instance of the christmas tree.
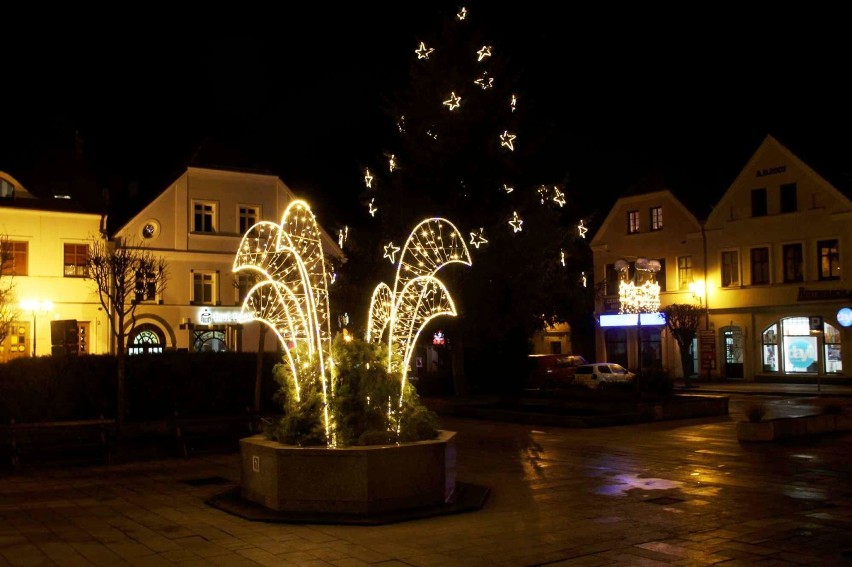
(465, 143)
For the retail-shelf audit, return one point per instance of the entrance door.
(733, 339)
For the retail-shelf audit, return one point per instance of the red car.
(553, 370)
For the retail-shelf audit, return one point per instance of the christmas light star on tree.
(453, 102)
(423, 52)
(508, 140)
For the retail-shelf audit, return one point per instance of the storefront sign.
(208, 316)
(800, 354)
(629, 320)
(823, 294)
(771, 170)
(844, 317)
(707, 349)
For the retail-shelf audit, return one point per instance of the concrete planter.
(785, 427)
(351, 480)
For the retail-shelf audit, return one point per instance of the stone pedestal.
(351, 480)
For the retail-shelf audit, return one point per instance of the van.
(553, 370)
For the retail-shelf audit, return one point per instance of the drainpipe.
(706, 286)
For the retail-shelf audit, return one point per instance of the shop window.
(730, 268)
(788, 198)
(209, 341)
(75, 258)
(632, 222)
(758, 202)
(684, 271)
(793, 271)
(833, 360)
(829, 260)
(203, 216)
(759, 266)
(146, 339)
(800, 345)
(652, 351)
(616, 346)
(656, 218)
(770, 349)
(14, 258)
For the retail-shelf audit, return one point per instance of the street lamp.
(639, 295)
(36, 307)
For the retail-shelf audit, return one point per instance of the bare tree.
(125, 274)
(682, 320)
(8, 306)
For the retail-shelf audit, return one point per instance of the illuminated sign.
(208, 316)
(438, 338)
(629, 320)
(844, 317)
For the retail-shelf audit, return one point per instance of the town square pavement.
(680, 492)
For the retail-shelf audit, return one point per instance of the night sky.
(297, 90)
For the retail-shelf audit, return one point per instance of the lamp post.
(36, 307)
(639, 295)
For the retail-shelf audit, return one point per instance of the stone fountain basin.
(356, 481)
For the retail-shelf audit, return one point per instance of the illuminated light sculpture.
(390, 251)
(485, 81)
(477, 239)
(462, 14)
(507, 140)
(423, 52)
(484, 52)
(513, 101)
(453, 102)
(582, 230)
(371, 207)
(368, 178)
(516, 222)
(398, 315)
(558, 197)
(292, 294)
(642, 295)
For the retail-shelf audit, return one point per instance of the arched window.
(804, 345)
(209, 341)
(616, 346)
(145, 339)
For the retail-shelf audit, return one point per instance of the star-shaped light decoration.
(392, 162)
(484, 52)
(582, 230)
(508, 189)
(342, 235)
(513, 102)
(507, 140)
(453, 102)
(558, 197)
(542, 191)
(462, 14)
(516, 222)
(368, 178)
(477, 238)
(423, 52)
(390, 252)
(485, 81)
(562, 257)
(372, 207)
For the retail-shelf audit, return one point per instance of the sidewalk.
(764, 388)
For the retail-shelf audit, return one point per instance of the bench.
(212, 433)
(66, 440)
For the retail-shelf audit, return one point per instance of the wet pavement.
(682, 492)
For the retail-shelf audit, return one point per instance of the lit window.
(759, 266)
(204, 217)
(248, 218)
(793, 263)
(146, 285)
(684, 271)
(730, 268)
(203, 288)
(76, 256)
(829, 260)
(656, 218)
(14, 258)
(146, 339)
(632, 222)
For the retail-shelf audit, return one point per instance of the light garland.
(507, 140)
(484, 52)
(390, 251)
(558, 197)
(516, 222)
(423, 52)
(477, 239)
(453, 102)
(582, 230)
(368, 178)
(644, 298)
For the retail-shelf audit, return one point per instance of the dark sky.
(297, 89)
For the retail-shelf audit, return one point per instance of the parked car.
(602, 374)
(553, 370)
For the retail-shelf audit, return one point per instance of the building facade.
(770, 266)
(196, 225)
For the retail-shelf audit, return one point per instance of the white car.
(601, 374)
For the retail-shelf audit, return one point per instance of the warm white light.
(390, 251)
(372, 207)
(423, 52)
(508, 189)
(513, 101)
(342, 235)
(516, 222)
(583, 276)
(484, 52)
(36, 305)
(562, 257)
(368, 178)
(558, 197)
(462, 14)
(453, 102)
(485, 81)
(477, 239)
(392, 162)
(507, 140)
(582, 230)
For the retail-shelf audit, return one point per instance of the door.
(732, 337)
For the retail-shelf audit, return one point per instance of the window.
(611, 280)
(146, 339)
(660, 277)
(632, 222)
(146, 286)
(758, 202)
(7, 190)
(793, 263)
(75, 260)
(759, 266)
(684, 271)
(656, 218)
(652, 351)
(805, 345)
(788, 198)
(833, 360)
(209, 341)
(616, 346)
(248, 218)
(730, 268)
(244, 283)
(14, 256)
(770, 349)
(204, 217)
(829, 260)
(203, 288)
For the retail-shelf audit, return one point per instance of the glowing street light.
(36, 307)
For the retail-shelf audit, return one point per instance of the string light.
(582, 230)
(542, 191)
(513, 101)
(423, 52)
(392, 162)
(562, 257)
(583, 276)
(516, 222)
(390, 251)
(558, 197)
(453, 102)
(507, 140)
(368, 178)
(477, 239)
(342, 235)
(400, 124)
(372, 207)
(508, 189)
(485, 81)
(462, 14)
(484, 52)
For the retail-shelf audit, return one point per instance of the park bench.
(212, 433)
(69, 440)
